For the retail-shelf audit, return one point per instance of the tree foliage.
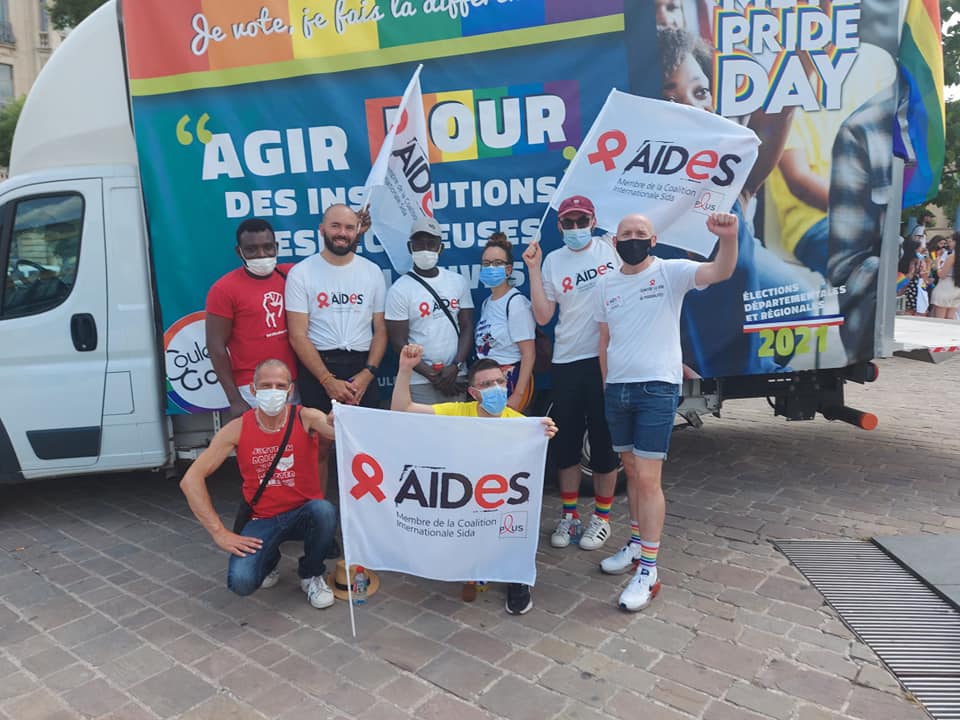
(68, 13)
(9, 115)
(948, 197)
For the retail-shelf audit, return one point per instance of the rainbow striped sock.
(603, 505)
(569, 503)
(634, 532)
(648, 554)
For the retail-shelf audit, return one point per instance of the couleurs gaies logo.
(489, 122)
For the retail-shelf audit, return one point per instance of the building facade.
(26, 41)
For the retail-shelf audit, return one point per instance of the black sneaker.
(519, 601)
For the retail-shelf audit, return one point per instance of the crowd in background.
(928, 276)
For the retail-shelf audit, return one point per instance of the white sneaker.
(596, 534)
(272, 578)
(626, 558)
(319, 595)
(640, 590)
(563, 534)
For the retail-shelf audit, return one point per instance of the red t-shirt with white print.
(256, 307)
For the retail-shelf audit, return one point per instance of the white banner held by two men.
(673, 163)
(399, 189)
(446, 498)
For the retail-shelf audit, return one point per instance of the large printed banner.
(450, 510)
(670, 162)
(278, 108)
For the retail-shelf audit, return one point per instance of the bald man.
(335, 317)
(638, 310)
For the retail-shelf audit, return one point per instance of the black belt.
(337, 354)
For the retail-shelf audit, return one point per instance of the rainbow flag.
(920, 122)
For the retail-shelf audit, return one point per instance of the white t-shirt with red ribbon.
(339, 299)
(570, 279)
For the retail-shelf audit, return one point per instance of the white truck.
(85, 369)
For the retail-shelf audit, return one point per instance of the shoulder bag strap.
(446, 310)
(276, 458)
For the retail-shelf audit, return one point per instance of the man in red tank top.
(291, 506)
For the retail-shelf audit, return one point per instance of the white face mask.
(425, 259)
(261, 267)
(271, 401)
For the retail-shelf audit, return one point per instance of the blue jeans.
(314, 523)
(640, 416)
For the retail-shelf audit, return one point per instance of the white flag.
(399, 189)
(447, 498)
(673, 163)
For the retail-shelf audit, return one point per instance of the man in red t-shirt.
(291, 506)
(246, 322)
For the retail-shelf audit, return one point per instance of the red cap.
(578, 204)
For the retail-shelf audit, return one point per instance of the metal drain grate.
(914, 631)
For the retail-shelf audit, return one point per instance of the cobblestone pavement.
(113, 605)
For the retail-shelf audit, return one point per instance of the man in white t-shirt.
(335, 303)
(568, 280)
(638, 309)
(432, 307)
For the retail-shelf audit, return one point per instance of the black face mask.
(633, 252)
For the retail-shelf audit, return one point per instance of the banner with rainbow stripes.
(277, 109)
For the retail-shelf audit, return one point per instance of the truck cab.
(79, 353)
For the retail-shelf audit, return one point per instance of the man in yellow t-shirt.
(487, 386)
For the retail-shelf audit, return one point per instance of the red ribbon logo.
(323, 300)
(369, 476)
(567, 284)
(424, 309)
(653, 281)
(606, 154)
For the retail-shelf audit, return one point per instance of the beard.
(339, 250)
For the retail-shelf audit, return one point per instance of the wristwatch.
(372, 368)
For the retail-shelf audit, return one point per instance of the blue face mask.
(493, 399)
(493, 276)
(577, 238)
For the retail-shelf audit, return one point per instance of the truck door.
(52, 328)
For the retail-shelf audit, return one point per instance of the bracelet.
(326, 377)
(372, 368)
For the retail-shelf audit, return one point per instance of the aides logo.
(481, 123)
(338, 299)
(438, 487)
(426, 309)
(666, 158)
(586, 276)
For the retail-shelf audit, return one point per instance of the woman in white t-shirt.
(506, 329)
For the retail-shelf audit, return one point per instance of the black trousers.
(344, 364)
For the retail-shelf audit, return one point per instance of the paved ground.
(112, 601)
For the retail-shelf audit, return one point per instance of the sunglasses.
(581, 222)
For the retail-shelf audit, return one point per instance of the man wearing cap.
(432, 307)
(335, 303)
(568, 280)
(291, 506)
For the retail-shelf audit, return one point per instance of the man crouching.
(290, 505)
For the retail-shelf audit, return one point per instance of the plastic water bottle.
(360, 584)
(576, 531)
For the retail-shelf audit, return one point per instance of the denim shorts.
(640, 416)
